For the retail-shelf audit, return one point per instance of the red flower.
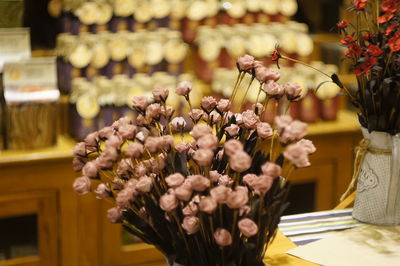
(390, 6)
(394, 42)
(342, 24)
(385, 18)
(276, 55)
(368, 36)
(355, 49)
(391, 28)
(374, 50)
(359, 5)
(348, 54)
(365, 66)
(347, 40)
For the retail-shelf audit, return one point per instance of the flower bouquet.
(373, 47)
(210, 197)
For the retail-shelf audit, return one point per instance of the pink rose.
(168, 202)
(131, 185)
(90, 169)
(232, 130)
(106, 132)
(175, 180)
(258, 108)
(245, 63)
(243, 211)
(191, 225)
(81, 185)
(250, 119)
(208, 103)
(184, 88)
(167, 111)
(140, 170)
(239, 119)
(114, 214)
(249, 179)
(107, 158)
(237, 199)
(127, 131)
(200, 130)
(141, 121)
(196, 114)
(292, 90)
(222, 237)
(232, 146)
(191, 209)
(92, 141)
(271, 169)
(207, 205)
(261, 74)
(273, 89)
(208, 141)
(102, 191)
(203, 157)
(117, 183)
(199, 182)
(223, 105)
(224, 180)
(282, 121)
(114, 142)
(247, 227)
(144, 184)
(240, 161)
(79, 149)
(182, 147)
(140, 102)
(153, 111)
(262, 184)
(220, 193)
(308, 145)
(272, 75)
(124, 197)
(214, 175)
(297, 155)
(77, 164)
(178, 123)
(264, 130)
(294, 131)
(183, 192)
(160, 94)
(134, 150)
(167, 142)
(153, 144)
(212, 118)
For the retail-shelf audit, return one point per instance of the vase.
(378, 187)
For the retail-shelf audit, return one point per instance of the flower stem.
(245, 94)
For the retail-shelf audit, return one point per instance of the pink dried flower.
(160, 94)
(199, 182)
(153, 111)
(240, 161)
(134, 150)
(207, 205)
(114, 214)
(232, 130)
(81, 185)
(208, 141)
(196, 114)
(264, 130)
(297, 155)
(178, 123)
(106, 132)
(184, 88)
(220, 193)
(153, 144)
(247, 227)
(237, 199)
(224, 180)
(308, 145)
(273, 89)
(239, 119)
(140, 102)
(92, 141)
(272, 75)
(249, 179)
(243, 211)
(77, 164)
(258, 108)
(127, 131)
(90, 169)
(203, 157)
(183, 192)
(214, 175)
(250, 119)
(191, 209)
(245, 63)
(79, 149)
(213, 117)
(200, 130)
(292, 90)
(191, 225)
(220, 154)
(271, 169)
(114, 142)
(109, 154)
(208, 103)
(167, 142)
(141, 120)
(140, 170)
(222, 237)
(261, 73)
(223, 105)
(131, 184)
(262, 184)
(282, 121)
(167, 111)
(124, 197)
(168, 202)
(182, 147)
(102, 191)
(144, 184)
(117, 183)
(294, 131)
(232, 146)
(175, 180)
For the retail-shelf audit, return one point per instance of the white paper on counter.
(364, 245)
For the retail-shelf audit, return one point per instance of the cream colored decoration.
(160, 8)
(288, 7)
(270, 7)
(101, 55)
(175, 51)
(105, 13)
(209, 50)
(118, 47)
(253, 5)
(237, 9)
(80, 56)
(87, 106)
(143, 12)
(124, 8)
(305, 44)
(197, 10)
(87, 13)
(155, 52)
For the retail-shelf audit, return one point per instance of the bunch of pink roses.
(220, 190)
